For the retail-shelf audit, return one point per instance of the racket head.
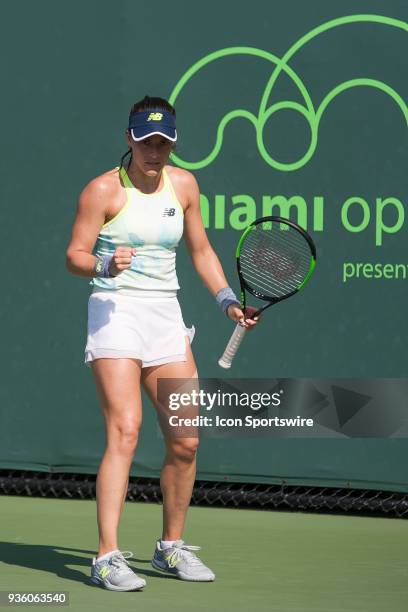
(275, 259)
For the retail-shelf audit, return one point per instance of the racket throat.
(260, 310)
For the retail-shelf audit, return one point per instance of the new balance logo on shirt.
(169, 212)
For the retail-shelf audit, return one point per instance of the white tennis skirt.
(128, 326)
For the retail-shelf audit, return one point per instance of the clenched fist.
(121, 260)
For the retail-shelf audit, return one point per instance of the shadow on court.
(56, 560)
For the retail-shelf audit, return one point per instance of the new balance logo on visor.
(169, 212)
(155, 117)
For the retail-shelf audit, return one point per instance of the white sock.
(167, 543)
(105, 556)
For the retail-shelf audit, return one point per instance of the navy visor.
(156, 121)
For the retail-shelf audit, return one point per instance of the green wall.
(71, 71)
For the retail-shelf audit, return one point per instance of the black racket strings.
(274, 262)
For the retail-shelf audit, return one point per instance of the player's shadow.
(57, 559)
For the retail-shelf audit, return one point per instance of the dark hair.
(148, 103)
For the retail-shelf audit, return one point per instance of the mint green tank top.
(153, 224)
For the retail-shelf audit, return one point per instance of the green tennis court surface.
(276, 561)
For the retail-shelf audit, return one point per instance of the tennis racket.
(275, 260)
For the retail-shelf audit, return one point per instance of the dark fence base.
(236, 495)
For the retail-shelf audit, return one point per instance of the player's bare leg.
(118, 385)
(172, 555)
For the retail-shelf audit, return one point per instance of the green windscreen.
(297, 110)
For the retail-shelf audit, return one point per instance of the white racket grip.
(233, 344)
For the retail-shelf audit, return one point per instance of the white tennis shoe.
(180, 560)
(114, 572)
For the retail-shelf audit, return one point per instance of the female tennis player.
(127, 227)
